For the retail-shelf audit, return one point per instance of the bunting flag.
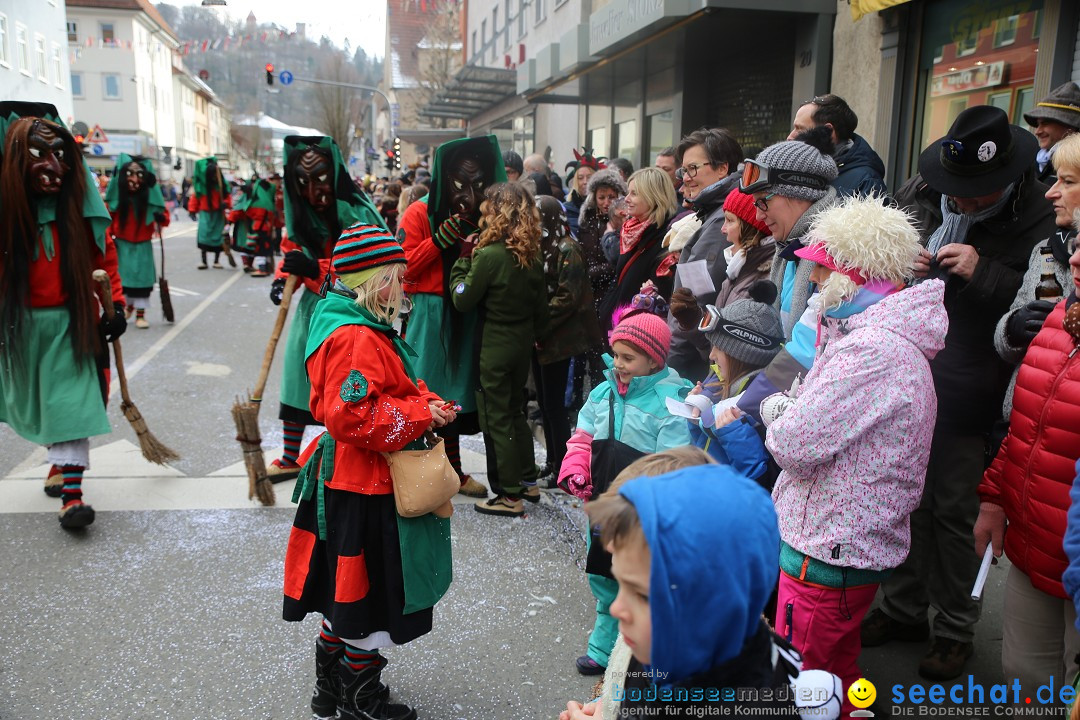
(187, 47)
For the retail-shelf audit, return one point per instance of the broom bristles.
(152, 449)
(246, 417)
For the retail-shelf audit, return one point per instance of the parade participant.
(53, 359)
(500, 273)
(208, 203)
(623, 419)
(853, 446)
(254, 219)
(320, 200)
(373, 575)
(431, 231)
(573, 328)
(137, 206)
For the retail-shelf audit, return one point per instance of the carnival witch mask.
(465, 179)
(48, 163)
(315, 179)
(134, 177)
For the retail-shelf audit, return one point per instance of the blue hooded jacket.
(715, 548)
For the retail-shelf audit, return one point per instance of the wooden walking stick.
(246, 413)
(152, 449)
(163, 284)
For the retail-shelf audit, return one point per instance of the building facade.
(34, 59)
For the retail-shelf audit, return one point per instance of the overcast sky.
(363, 22)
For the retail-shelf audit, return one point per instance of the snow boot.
(362, 695)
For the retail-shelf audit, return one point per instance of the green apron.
(211, 229)
(450, 375)
(137, 269)
(295, 386)
(49, 397)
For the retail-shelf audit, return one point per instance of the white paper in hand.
(695, 277)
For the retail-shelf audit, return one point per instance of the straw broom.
(152, 448)
(163, 284)
(246, 413)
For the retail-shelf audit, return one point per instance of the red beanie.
(741, 206)
(648, 333)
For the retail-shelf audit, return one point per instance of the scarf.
(735, 261)
(632, 230)
(955, 226)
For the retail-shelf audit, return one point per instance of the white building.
(34, 55)
(122, 77)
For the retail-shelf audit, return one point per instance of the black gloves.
(1026, 322)
(297, 263)
(685, 309)
(276, 289)
(114, 328)
(193, 216)
(160, 218)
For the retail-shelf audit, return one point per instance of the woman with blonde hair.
(650, 205)
(500, 271)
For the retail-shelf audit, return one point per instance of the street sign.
(79, 128)
(97, 149)
(285, 77)
(97, 135)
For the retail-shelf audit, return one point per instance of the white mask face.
(735, 261)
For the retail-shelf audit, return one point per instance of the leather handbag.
(424, 481)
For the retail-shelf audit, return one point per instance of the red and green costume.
(133, 228)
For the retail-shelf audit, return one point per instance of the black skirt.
(353, 577)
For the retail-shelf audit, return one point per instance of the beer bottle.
(1048, 288)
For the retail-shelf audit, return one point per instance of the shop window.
(597, 140)
(626, 139)
(1005, 31)
(661, 133)
(1001, 100)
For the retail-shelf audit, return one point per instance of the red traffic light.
(80, 139)
(269, 73)
(269, 67)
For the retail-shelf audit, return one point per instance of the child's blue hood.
(715, 549)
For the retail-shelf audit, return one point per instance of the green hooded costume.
(305, 228)
(136, 256)
(256, 205)
(443, 337)
(210, 204)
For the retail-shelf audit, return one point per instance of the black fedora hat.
(981, 154)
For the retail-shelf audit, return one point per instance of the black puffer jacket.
(861, 170)
(969, 376)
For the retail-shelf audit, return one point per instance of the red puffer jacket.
(1032, 473)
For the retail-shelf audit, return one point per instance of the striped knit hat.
(364, 247)
(647, 332)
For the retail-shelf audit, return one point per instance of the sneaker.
(76, 514)
(279, 471)
(587, 666)
(946, 658)
(256, 273)
(501, 505)
(530, 493)
(54, 484)
(471, 488)
(218, 266)
(203, 266)
(878, 629)
(141, 323)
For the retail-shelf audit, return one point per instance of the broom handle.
(271, 347)
(103, 288)
(161, 242)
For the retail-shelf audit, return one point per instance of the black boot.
(362, 695)
(327, 693)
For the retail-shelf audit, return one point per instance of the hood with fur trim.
(603, 178)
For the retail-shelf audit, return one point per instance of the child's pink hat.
(647, 332)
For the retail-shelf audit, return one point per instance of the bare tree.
(439, 56)
(334, 106)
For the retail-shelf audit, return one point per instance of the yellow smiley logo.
(862, 693)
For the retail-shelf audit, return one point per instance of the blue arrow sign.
(97, 149)
(285, 77)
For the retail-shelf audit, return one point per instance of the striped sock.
(140, 313)
(293, 434)
(72, 492)
(332, 641)
(452, 446)
(358, 659)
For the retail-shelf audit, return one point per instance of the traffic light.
(397, 153)
(80, 140)
(389, 160)
(269, 73)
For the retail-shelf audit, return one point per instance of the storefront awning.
(470, 92)
(865, 7)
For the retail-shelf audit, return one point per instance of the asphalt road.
(175, 613)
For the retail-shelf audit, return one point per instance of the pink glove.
(579, 486)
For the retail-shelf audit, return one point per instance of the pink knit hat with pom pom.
(648, 333)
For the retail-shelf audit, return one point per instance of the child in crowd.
(692, 619)
(749, 257)
(609, 242)
(345, 556)
(745, 336)
(854, 444)
(624, 418)
(572, 330)
(500, 271)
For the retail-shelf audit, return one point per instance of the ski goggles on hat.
(756, 176)
(713, 321)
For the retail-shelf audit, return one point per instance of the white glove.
(777, 404)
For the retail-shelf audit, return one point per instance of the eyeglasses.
(690, 171)
(762, 204)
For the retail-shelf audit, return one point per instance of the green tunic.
(450, 372)
(137, 269)
(49, 397)
(211, 229)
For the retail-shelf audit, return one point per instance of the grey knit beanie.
(797, 156)
(749, 329)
